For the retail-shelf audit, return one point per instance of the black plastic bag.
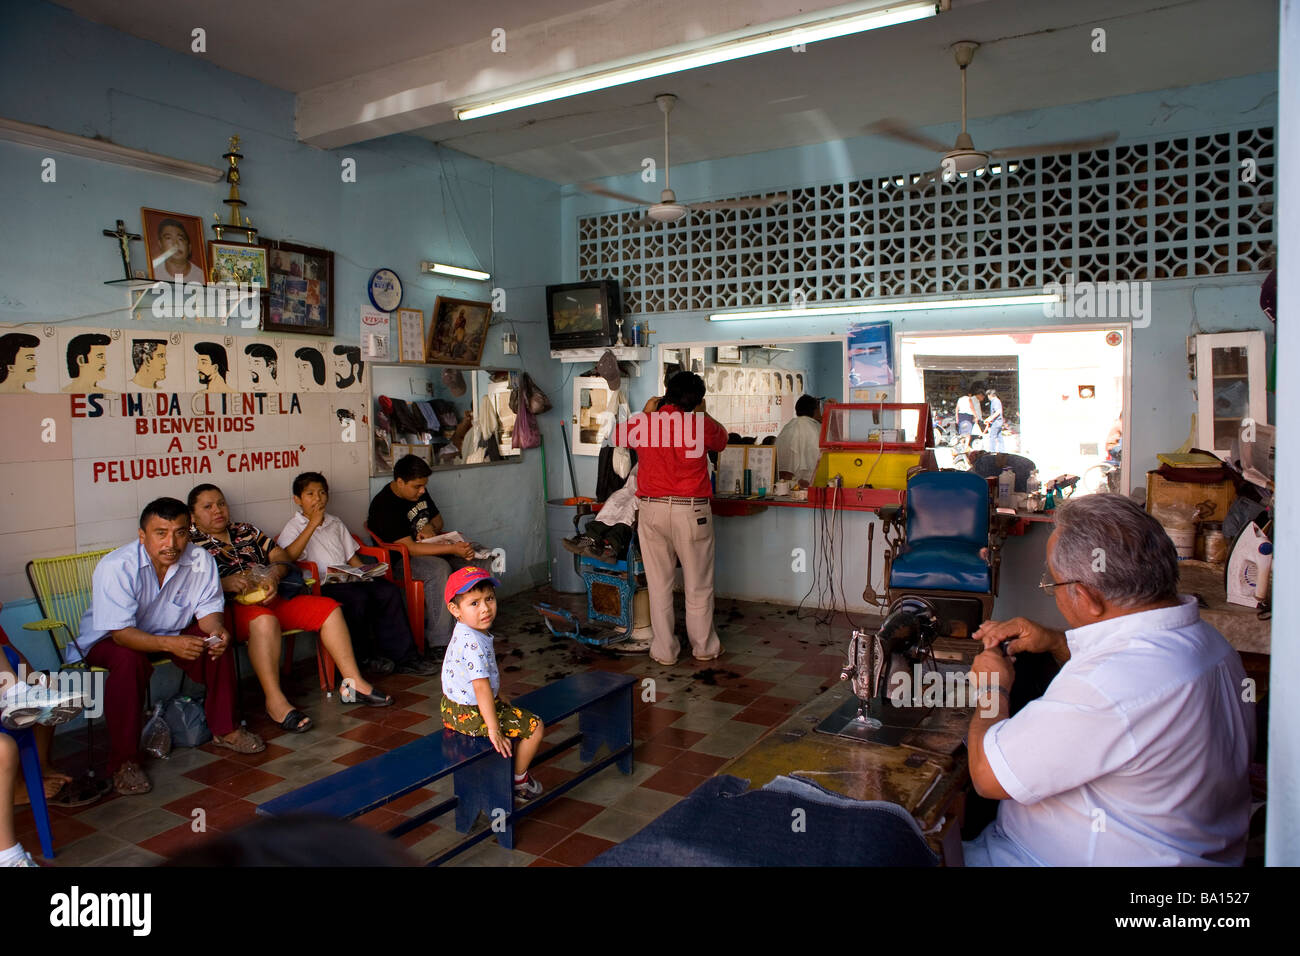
(186, 721)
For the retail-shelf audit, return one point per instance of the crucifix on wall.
(124, 245)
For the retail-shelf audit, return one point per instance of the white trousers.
(670, 532)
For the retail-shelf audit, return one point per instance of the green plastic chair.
(63, 588)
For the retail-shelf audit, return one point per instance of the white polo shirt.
(1136, 756)
(126, 593)
(331, 543)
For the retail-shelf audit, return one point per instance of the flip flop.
(293, 722)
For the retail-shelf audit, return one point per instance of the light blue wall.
(826, 370)
(410, 201)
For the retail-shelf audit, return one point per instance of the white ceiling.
(1035, 54)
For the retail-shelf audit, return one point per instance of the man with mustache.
(159, 595)
(17, 362)
(262, 362)
(347, 365)
(212, 366)
(87, 363)
(149, 357)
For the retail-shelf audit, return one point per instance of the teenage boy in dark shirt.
(403, 513)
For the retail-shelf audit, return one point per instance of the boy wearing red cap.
(470, 680)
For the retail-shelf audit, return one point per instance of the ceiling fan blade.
(895, 129)
(754, 203)
(610, 194)
(1047, 149)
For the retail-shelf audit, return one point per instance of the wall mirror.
(452, 417)
(751, 386)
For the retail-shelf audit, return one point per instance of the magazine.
(455, 537)
(345, 573)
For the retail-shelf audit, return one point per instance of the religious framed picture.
(457, 331)
(173, 243)
(301, 283)
(237, 263)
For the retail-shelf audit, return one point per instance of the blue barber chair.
(941, 546)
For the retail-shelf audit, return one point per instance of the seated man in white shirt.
(159, 595)
(798, 447)
(1137, 753)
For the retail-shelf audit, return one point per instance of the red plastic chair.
(412, 587)
(326, 669)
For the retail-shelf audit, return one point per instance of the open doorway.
(1062, 394)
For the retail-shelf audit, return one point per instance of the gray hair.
(1110, 544)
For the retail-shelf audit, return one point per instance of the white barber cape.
(798, 447)
(1136, 756)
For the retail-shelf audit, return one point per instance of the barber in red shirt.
(672, 437)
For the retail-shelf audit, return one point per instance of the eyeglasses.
(1046, 583)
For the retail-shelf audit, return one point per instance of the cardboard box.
(423, 452)
(1161, 491)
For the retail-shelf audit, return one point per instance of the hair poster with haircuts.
(101, 421)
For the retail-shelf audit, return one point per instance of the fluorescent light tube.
(903, 305)
(455, 271)
(43, 137)
(733, 49)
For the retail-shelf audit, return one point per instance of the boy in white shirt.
(470, 680)
(374, 607)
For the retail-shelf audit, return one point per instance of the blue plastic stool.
(32, 775)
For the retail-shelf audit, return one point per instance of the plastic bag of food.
(261, 579)
(1181, 517)
(156, 739)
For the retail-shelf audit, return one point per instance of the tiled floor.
(700, 717)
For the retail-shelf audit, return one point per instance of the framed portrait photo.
(238, 263)
(174, 245)
(301, 284)
(457, 331)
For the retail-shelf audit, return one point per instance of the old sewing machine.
(941, 570)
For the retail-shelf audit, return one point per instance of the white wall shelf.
(623, 353)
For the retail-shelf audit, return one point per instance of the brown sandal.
(130, 781)
(244, 742)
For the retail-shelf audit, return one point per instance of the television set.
(584, 314)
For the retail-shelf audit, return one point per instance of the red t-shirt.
(670, 451)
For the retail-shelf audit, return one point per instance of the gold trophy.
(245, 231)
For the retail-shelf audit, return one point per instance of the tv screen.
(579, 310)
(583, 314)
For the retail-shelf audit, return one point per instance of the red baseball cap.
(466, 579)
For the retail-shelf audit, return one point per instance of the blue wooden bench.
(483, 779)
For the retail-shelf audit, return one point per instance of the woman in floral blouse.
(237, 547)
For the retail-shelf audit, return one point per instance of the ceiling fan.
(668, 209)
(963, 157)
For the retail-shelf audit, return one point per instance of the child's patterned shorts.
(466, 719)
